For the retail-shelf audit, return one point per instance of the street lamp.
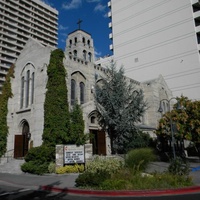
(171, 125)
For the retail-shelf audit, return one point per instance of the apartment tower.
(158, 37)
(20, 20)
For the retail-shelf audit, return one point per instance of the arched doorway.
(21, 141)
(98, 139)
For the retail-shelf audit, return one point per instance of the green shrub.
(178, 167)
(102, 163)
(70, 169)
(41, 153)
(35, 168)
(111, 184)
(38, 159)
(138, 159)
(52, 167)
(89, 179)
(126, 180)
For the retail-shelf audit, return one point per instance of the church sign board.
(74, 154)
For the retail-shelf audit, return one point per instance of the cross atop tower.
(79, 23)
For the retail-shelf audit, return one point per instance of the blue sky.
(93, 14)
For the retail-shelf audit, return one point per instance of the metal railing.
(8, 154)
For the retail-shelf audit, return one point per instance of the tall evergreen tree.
(56, 110)
(77, 135)
(6, 94)
(120, 106)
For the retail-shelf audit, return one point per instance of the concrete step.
(12, 167)
(4, 160)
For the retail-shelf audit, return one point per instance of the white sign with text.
(74, 154)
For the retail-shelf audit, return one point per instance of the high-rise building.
(158, 37)
(20, 20)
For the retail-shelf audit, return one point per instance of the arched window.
(83, 40)
(92, 120)
(88, 42)
(32, 87)
(22, 93)
(89, 56)
(75, 53)
(75, 40)
(73, 91)
(27, 87)
(82, 92)
(70, 43)
(84, 54)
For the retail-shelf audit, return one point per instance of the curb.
(123, 193)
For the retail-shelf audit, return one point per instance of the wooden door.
(98, 142)
(101, 142)
(19, 146)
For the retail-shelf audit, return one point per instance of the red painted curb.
(194, 189)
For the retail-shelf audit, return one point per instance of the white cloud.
(64, 34)
(105, 15)
(97, 54)
(74, 4)
(100, 7)
(47, 2)
(61, 27)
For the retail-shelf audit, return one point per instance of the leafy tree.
(120, 106)
(187, 121)
(56, 111)
(77, 135)
(6, 94)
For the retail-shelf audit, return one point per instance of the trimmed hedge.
(70, 169)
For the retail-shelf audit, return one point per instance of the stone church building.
(26, 108)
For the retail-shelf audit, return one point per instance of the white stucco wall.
(157, 37)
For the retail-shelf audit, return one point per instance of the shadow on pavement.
(40, 193)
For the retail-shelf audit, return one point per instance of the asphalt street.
(14, 193)
(28, 186)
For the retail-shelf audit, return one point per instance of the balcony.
(111, 47)
(109, 14)
(4, 72)
(110, 36)
(5, 66)
(197, 28)
(2, 78)
(9, 53)
(110, 25)
(194, 1)
(8, 39)
(196, 14)
(52, 12)
(109, 4)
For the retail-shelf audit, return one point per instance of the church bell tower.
(80, 45)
